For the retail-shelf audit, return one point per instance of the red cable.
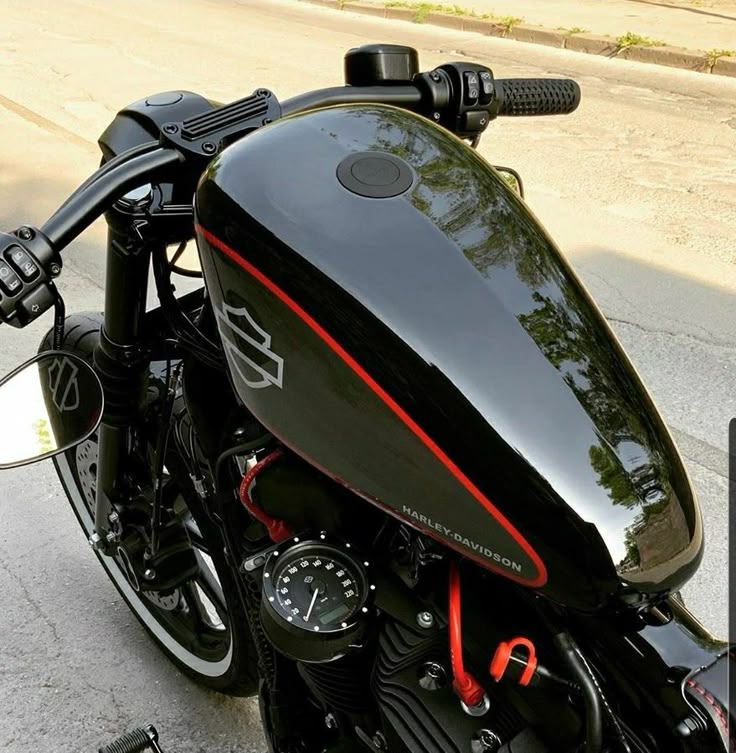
(277, 530)
(466, 687)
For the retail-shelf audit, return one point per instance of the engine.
(419, 710)
(361, 610)
(356, 606)
(352, 610)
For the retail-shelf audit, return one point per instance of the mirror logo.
(50, 404)
(64, 384)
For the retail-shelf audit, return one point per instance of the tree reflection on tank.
(487, 226)
(453, 302)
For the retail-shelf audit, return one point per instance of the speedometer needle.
(311, 606)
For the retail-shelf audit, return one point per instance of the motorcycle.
(387, 468)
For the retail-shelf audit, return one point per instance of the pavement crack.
(609, 284)
(33, 602)
(672, 333)
(118, 707)
(632, 304)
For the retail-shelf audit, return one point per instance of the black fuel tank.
(396, 315)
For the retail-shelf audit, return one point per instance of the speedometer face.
(315, 587)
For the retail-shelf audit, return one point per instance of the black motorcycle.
(388, 469)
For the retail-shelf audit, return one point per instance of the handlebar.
(145, 162)
(408, 97)
(462, 97)
(445, 92)
(96, 195)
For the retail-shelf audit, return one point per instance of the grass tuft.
(625, 41)
(422, 9)
(508, 22)
(712, 56)
(572, 30)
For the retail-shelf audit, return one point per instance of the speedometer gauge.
(317, 588)
(315, 597)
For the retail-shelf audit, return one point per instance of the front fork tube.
(113, 447)
(121, 361)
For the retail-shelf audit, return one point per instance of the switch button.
(471, 87)
(21, 260)
(31, 306)
(10, 283)
(486, 87)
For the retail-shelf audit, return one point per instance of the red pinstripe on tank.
(398, 411)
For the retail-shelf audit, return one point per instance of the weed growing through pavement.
(422, 9)
(508, 22)
(572, 30)
(714, 55)
(625, 41)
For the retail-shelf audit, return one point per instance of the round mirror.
(48, 405)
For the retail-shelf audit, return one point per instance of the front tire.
(201, 626)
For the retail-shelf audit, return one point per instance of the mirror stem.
(59, 318)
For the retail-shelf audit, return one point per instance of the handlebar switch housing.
(471, 102)
(27, 265)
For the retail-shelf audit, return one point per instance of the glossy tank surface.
(434, 352)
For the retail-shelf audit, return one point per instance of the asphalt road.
(638, 188)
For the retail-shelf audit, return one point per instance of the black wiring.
(162, 446)
(571, 656)
(607, 710)
(177, 254)
(197, 274)
(241, 449)
(189, 337)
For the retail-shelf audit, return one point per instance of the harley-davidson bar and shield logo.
(63, 384)
(248, 348)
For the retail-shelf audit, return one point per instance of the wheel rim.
(190, 622)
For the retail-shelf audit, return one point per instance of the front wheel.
(201, 625)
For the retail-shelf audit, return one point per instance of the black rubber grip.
(537, 96)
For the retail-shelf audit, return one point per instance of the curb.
(591, 44)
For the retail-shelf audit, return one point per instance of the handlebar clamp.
(203, 136)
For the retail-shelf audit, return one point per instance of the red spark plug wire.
(466, 687)
(277, 530)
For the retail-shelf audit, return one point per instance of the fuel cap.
(375, 175)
